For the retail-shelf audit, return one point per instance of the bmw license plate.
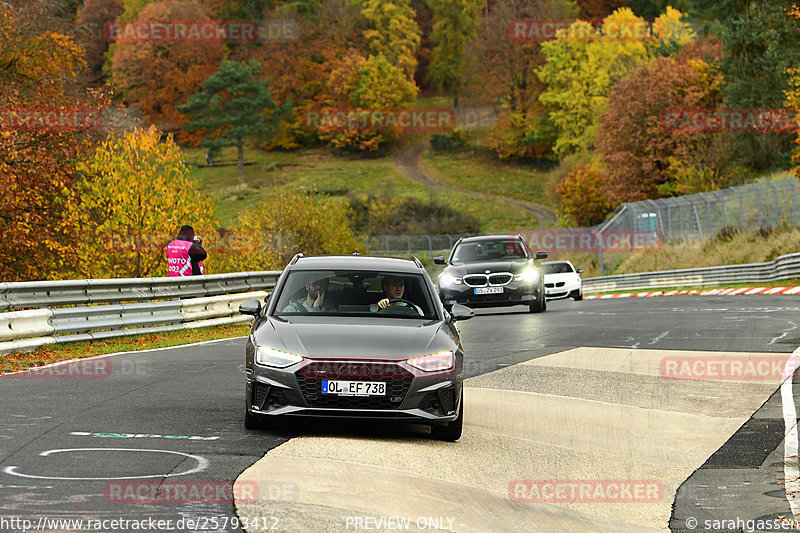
(353, 388)
(489, 290)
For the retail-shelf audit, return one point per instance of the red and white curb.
(711, 292)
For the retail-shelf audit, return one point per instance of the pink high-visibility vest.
(178, 261)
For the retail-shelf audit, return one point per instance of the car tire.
(579, 297)
(539, 305)
(452, 430)
(252, 421)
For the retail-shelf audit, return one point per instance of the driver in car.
(316, 299)
(395, 288)
(511, 250)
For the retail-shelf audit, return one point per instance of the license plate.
(489, 290)
(353, 388)
(547, 291)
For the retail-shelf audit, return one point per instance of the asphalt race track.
(581, 393)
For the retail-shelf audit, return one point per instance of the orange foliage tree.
(155, 76)
(39, 73)
(91, 28)
(639, 136)
(584, 201)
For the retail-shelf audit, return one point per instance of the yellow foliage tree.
(584, 63)
(286, 223)
(134, 196)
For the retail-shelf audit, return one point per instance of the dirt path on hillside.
(407, 163)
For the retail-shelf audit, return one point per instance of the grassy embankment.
(316, 169)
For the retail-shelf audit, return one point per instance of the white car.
(562, 280)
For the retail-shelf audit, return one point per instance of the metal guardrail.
(33, 294)
(784, 267)
(152, 305)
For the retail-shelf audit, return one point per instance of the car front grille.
(494, 280)
(552, 285)
(397, 379)
(475, 281)
(499, 279)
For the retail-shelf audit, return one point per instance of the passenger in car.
(315, 301)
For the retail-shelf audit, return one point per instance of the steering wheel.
(408, 303)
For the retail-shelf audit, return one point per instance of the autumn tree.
(584, 200)
(361, 85)
(583, 64)
(286, 223)
(455, 24)
(502, 74)
(91, 27)
(792, 104)
(41, 72)
(392, 32)
(599, 9)
(299, 70)
(234, 105)
(134, 195)
(641, 137)
(579, 73)
(155, 76)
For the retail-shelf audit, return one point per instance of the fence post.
(777, 205)
(741, 209)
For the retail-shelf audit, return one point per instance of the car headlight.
(276, 358)
(433, 362)
(449, 279)
(529, 275)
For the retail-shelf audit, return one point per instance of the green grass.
(480, 172)
(317, 169)
(53, 353)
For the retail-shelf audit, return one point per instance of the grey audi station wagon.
(355, 336)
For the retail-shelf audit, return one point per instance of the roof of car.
(492, 238)
(356, 262)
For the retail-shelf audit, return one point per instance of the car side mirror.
(580, 271)
(250, 307)
(461, 312)
(439, 260)
(541, 255)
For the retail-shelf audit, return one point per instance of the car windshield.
(556, 268)
(468, 252)
(355, 293)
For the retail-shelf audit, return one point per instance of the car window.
(354, 293)
(557, 268)
(467, 252)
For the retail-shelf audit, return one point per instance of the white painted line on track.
(791, 468)
(202, 464)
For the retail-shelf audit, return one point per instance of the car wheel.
(452, 430)
(539, 305)
(252, 421)
(579, 297)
